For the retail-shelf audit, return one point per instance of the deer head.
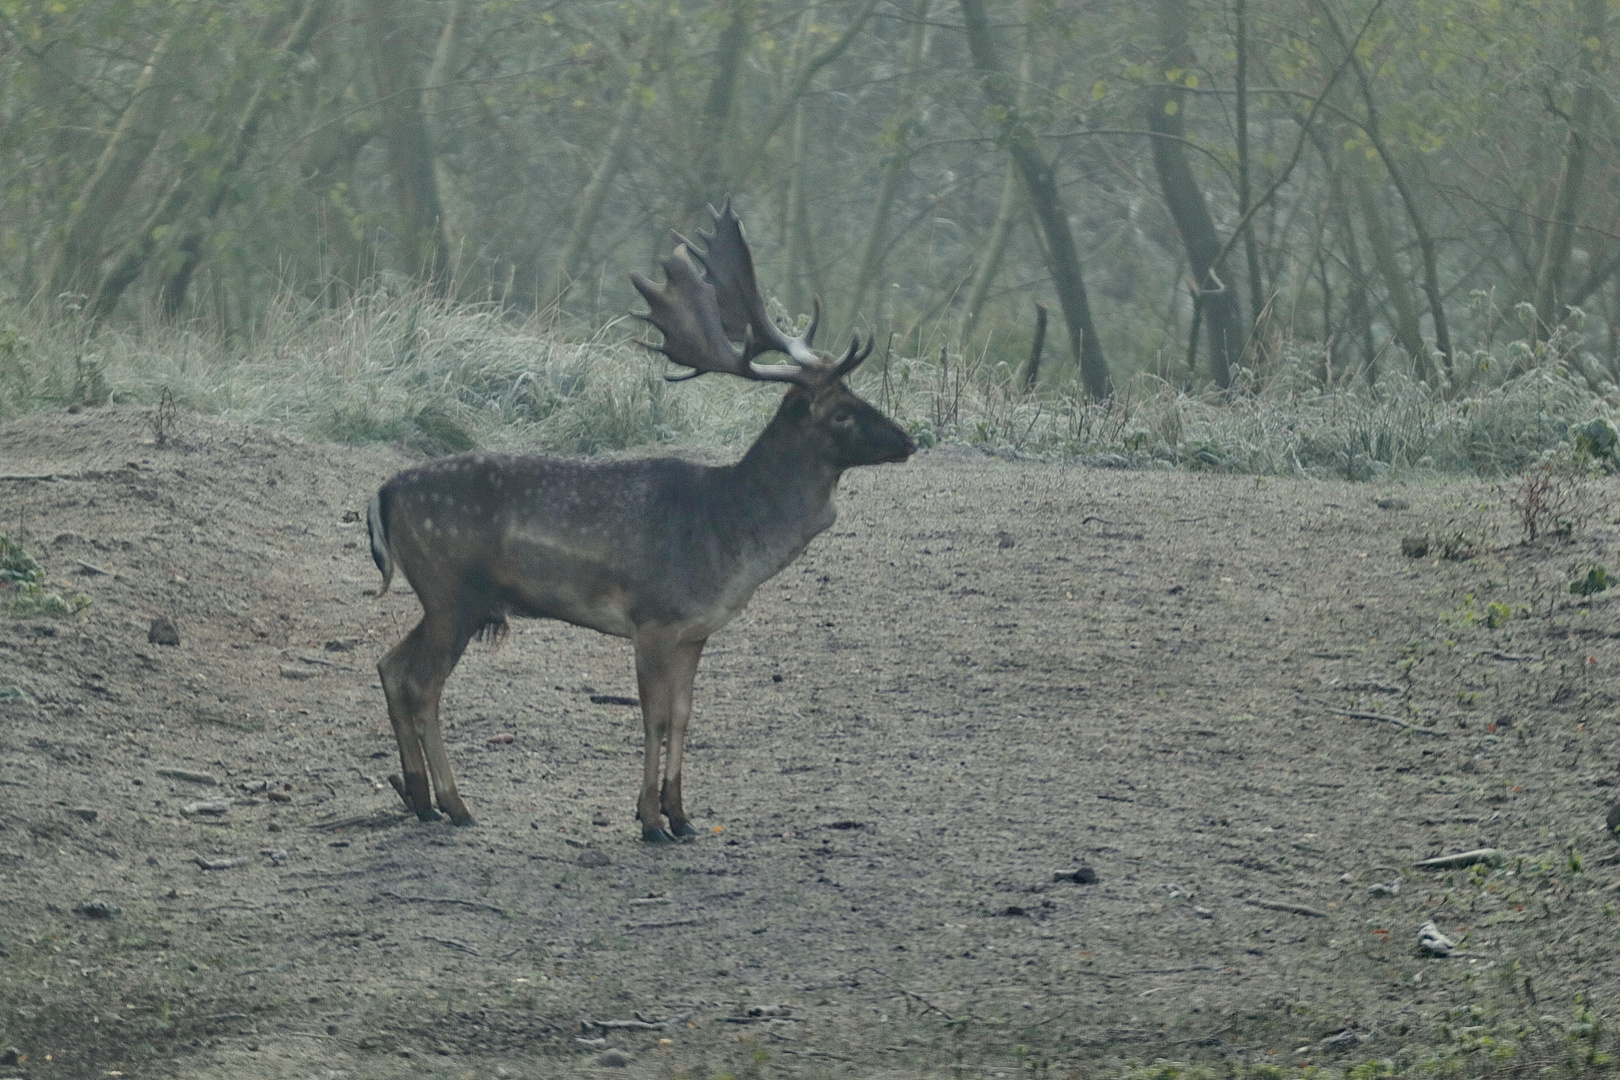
(713, 319)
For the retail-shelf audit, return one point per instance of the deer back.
(610, 545)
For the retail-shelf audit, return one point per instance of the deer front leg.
(664, 669)
(680, 715)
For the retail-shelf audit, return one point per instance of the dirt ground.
(987, 673)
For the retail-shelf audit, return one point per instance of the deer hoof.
(656, 836)
(459, 816)
(429, 814)
(683, 830)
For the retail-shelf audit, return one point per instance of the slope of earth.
(1235, 701)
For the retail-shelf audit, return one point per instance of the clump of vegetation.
(22, 586)
(1551, 497)
(1595, 581)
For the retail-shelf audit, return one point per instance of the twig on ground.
(1292, 909)
(850, 979)
(660, 925)
(380, 820)
(817, 1054)
(450, 942)
(758, 1019)
(1490, 856)
(444, 900)
(1402, 724)
(638, 1023)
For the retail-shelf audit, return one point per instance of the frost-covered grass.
(436, 378)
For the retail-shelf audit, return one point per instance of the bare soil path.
(985, 674)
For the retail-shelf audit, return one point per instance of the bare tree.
(1593, 51)
(1217, 302)
(418, 213)
(1063, 258)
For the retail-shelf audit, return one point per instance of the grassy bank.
(439, 378)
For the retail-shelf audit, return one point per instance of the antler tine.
(730, 264)
(815, 320)
(685, 310)
(854, 356)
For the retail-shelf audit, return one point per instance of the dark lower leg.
(674, 811)
(413, 791)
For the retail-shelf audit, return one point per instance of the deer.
(663, 551)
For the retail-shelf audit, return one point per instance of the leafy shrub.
(22, 586)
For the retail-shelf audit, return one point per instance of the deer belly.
(554, 584)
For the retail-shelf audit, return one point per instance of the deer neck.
(789, 487)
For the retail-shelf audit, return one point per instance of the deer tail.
(381, 553)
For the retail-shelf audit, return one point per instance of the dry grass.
(439, 378)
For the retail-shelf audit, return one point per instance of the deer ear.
(854, 356)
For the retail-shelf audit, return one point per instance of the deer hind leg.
(413, 676)
(664, 668)
(401, 673)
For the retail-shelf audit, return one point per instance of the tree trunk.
(327, 170)
(190, 248)
(795, 227)
(419, 215)
(1032, 366)
(1407, 331)
(1251, 250)
(1593, 46)
(1426, 244)
(588, 204)
(995, 247)
(74, 262)
(1062, 257)
(896, 165)
(709, 179)
(1166, 120)
(804, 74)
(458, 215)
(206, 175)
(1356, 294)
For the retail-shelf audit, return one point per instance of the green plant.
(22, 586)
(1595, 581)
(1599, 440)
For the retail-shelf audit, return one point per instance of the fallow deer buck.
(661, 551)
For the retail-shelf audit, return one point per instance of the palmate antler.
(701, 314)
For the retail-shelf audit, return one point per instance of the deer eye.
(842, 416)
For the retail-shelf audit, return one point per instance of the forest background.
(1274, 235)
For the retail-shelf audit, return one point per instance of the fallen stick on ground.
(1292, 909)
(638, 1023)
(1402, 724)
(450, 942)
(927, 1005)
(444, 900)
(1489, 855)
(659, 925)
(361, 821)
